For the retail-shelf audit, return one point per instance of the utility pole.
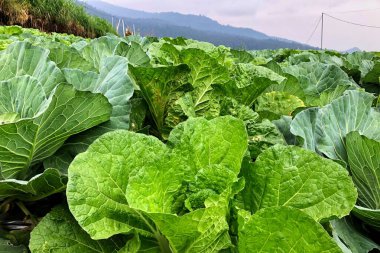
(322, 32)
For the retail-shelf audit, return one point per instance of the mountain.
(352, 50)
(197, 22)
(171, 24)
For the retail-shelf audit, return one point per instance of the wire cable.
(315, 29)
(353, 11)
(352, 23)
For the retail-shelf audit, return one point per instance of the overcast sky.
(290, 19)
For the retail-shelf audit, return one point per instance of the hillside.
(63, 16)
(190, 26)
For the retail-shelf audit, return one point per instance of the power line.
(353, 11)
(315, 29)
(352, 23)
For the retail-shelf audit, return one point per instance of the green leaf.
(138, 113)
(59, 232)
(205, 71)
(364, 161)
(99, 49)
(134, 53)
(295, 177)
(304, 125)
(164, 53)
(103, 47)
(7, 247)
(261, 136)
(368, 215)
(158, 85)
(113, 82)
(316, 78)
(204, 230)
(11, 30)
(290, 85)
(277, 104)
(51, 181)
(127, 181)
(21, 58)
(373, 74)
(31, 140)
(351, 112)
(249, 81)
(284, 126)
(67, 57)
(347, 231)
(242, 56)
(60, 160)
(22, 97)
(283, 229)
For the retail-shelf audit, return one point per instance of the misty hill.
(352, 50)
(171, 24)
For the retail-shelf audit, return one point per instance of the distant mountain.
(171, 24)
(352, 50)
(197, 22)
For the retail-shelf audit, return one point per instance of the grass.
(63, 16)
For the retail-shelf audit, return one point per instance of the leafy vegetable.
(59, 232)
(283, 229)
(32, 139)
(162, 183)
(79, 114)
(291, 176)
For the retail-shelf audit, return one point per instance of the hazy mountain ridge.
(171, 24)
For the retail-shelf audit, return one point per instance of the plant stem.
(26, 212)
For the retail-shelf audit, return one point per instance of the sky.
(290, 19)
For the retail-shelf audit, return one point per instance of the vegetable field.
(172, 145)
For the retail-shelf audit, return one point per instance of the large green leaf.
(127, 181)
(205, 71)
(317, 78)
(346, 230)
(164, 53)
(370, 216)
(261, 136)
(23, 96)
(113, 82)
(107, 46)
(304, 125)
(295, 177)
(283, 229)
(290, 85)
(99, 49)
(67, 57)
(284, 125)
(30, 140)
(158, 85)
(21, 58)
(364, 161)
(324, 130)
(351, 112)
(373, 74)
(273, 105)
(358, 64)
(134, 53)
(38, 187)
(59, 232)
(249, 81)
